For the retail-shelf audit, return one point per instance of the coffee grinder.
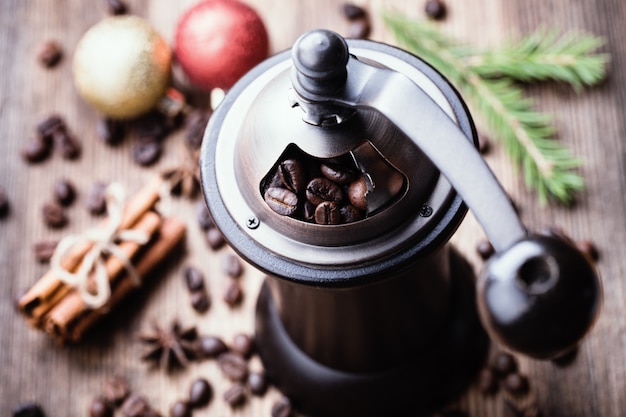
(370, 312)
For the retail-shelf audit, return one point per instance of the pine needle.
(487, 81)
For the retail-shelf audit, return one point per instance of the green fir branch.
(527, 135)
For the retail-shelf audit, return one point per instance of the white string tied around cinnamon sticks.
(105, 241)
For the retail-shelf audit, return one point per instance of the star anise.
(184, 179)
(168, 348)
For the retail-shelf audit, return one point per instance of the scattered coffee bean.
(116, 7)
(357, 194)
(152, 126)
(5, 206)
(214, 238)
(35, 150)
(202, 214)
(243, 344)
(487, 381)
(257, 381)
(200, 301)
(134, 406)
(516, 383)
(44, 249)
(485, 249)
(194, 279)
(353, 12)
(64, 192)
(231, 265)
(281, 200)
(116, 390)
(211, 346)
(327, 213)
(504, 364)
(484, 145)
(200, 393)
(233, 295)
(66, 144)
(54, 215)
(321, 189)
(180, 409)
(50, 125)
(28, 409)
(96, 198)
(49, 53)
(282, 408)
(359, 29)
(589, 249)
(196, 125)
(233, 365)
(292, 175)
(147, 151)
(235, 396)
(100, 407)
(435, 9)
(110, 131)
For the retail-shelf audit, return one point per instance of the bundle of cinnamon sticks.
(58, 309)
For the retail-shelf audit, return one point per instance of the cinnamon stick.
(48, 290)
(170, 234)
(72, 306)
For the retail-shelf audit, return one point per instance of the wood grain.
(64, 379)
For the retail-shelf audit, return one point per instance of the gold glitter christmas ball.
(122, 66)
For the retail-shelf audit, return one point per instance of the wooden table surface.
(64, 379)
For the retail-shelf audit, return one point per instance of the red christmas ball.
(218, 41)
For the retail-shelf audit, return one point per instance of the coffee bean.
(327, 213)
(357, 193)
(487, 381)
(308, 211)
(282, 408)
(96, 199)
(504, 363)
(235, 396)
(353, 12)
(281, 200)
(100, 407)
(589, 249)
(231, 265)
(116, 7)
(64, 192)
(194, 279)
(54, 215)
(243, 344)
(233, 295)
(292, 175)
(28, 409)
(233, 365)
(110, 131)
(350, 214)
(322, 189)
(435, 9)
(66, 144)
(359, 29)
(5, 206)
(134, 406)
(44, 249)
(200, 393)
(484, 145)
(516, 383)
(116, 389)
(147, 151)
(196, 125)
(152, 126)
(485, 249)
(35, 150)
(211, 346)
(48, 126)
(49, 53)
(202, 215)
(338, 173)
(257, 381)
(180, 409)
(200, 301)
(214, 238)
